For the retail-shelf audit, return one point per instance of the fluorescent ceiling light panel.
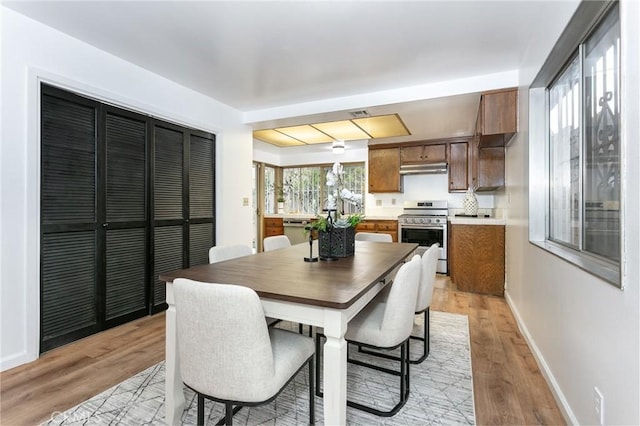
(306, 134)
(383, 126)
(344, 130)
(276, 138)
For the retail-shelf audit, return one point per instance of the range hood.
(423, 169)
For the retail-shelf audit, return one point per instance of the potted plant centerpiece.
(336, 230)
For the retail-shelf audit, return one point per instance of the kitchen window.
(576, 111)
(305, 188)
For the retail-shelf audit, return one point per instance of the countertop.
(461, 220)
(306, 216)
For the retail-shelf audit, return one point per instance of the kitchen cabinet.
(384, 170)
(458, 166)
(423, 154)
(379, 227)
(497, 118)
(476, 258)
(472, 165)
(273, 226)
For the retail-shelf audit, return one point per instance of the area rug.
(441, 391)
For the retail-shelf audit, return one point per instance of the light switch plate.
(245, 201)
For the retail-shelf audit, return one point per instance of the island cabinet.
(273, 226)
(379, 227)
(423, 154)
(384, 170)
(497, 118)
(476, 258)
(471, 165)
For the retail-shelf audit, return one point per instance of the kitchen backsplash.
(426, 187)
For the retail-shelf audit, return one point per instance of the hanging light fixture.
(338, 147)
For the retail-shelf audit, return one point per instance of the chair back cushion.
(220, 253)
(372, 236)
(276, 242)
(397, 321)
(223, 341)
(427, 277)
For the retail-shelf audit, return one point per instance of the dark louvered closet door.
(169, 209)
(201, 197)
(69, 294)
(126, 246)
(117, 188)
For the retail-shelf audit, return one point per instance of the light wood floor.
(508, 386)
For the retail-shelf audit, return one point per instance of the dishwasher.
(294, 229)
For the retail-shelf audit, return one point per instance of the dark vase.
(339, 242)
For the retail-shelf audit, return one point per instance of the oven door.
(424, 237)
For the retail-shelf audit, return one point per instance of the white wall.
(32, 52)
(583, 331)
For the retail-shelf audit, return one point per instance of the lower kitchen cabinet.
(380, 227)
(476, 258)
(273, 226)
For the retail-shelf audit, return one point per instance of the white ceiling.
(261, 55)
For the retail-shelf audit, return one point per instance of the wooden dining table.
(325, 294)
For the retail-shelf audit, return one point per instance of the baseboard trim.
(15, 360)
(564, 406)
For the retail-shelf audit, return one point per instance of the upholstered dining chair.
(276, 242)
(384, 326)
(221, 253)
(228, 354)
(372, 236)
(429, 263)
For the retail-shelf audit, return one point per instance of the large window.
(305, 189)
(581, 127)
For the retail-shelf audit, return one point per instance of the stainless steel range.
(425, 223)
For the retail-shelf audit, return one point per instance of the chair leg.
(312, 398)
(318, 363)
(404, 379)
(200, 409)
(228, 414)
(425, 339)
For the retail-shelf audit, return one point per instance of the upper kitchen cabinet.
(384, 170)
(423, 154)
(487, 166)
(497, 117)
(459, 166)
(472, 165)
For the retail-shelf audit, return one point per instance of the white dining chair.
(220, 253)
(429, 264)
(276, 242)
(383, 326)
(227, 353)
(373, 236)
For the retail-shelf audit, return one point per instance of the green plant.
(321, 223)
(280, 192)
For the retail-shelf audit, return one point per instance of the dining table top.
(284, 275)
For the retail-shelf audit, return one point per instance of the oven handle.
(423, 227)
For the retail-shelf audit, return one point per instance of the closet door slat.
(68, 160)
(125, 138)
(167, 257)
